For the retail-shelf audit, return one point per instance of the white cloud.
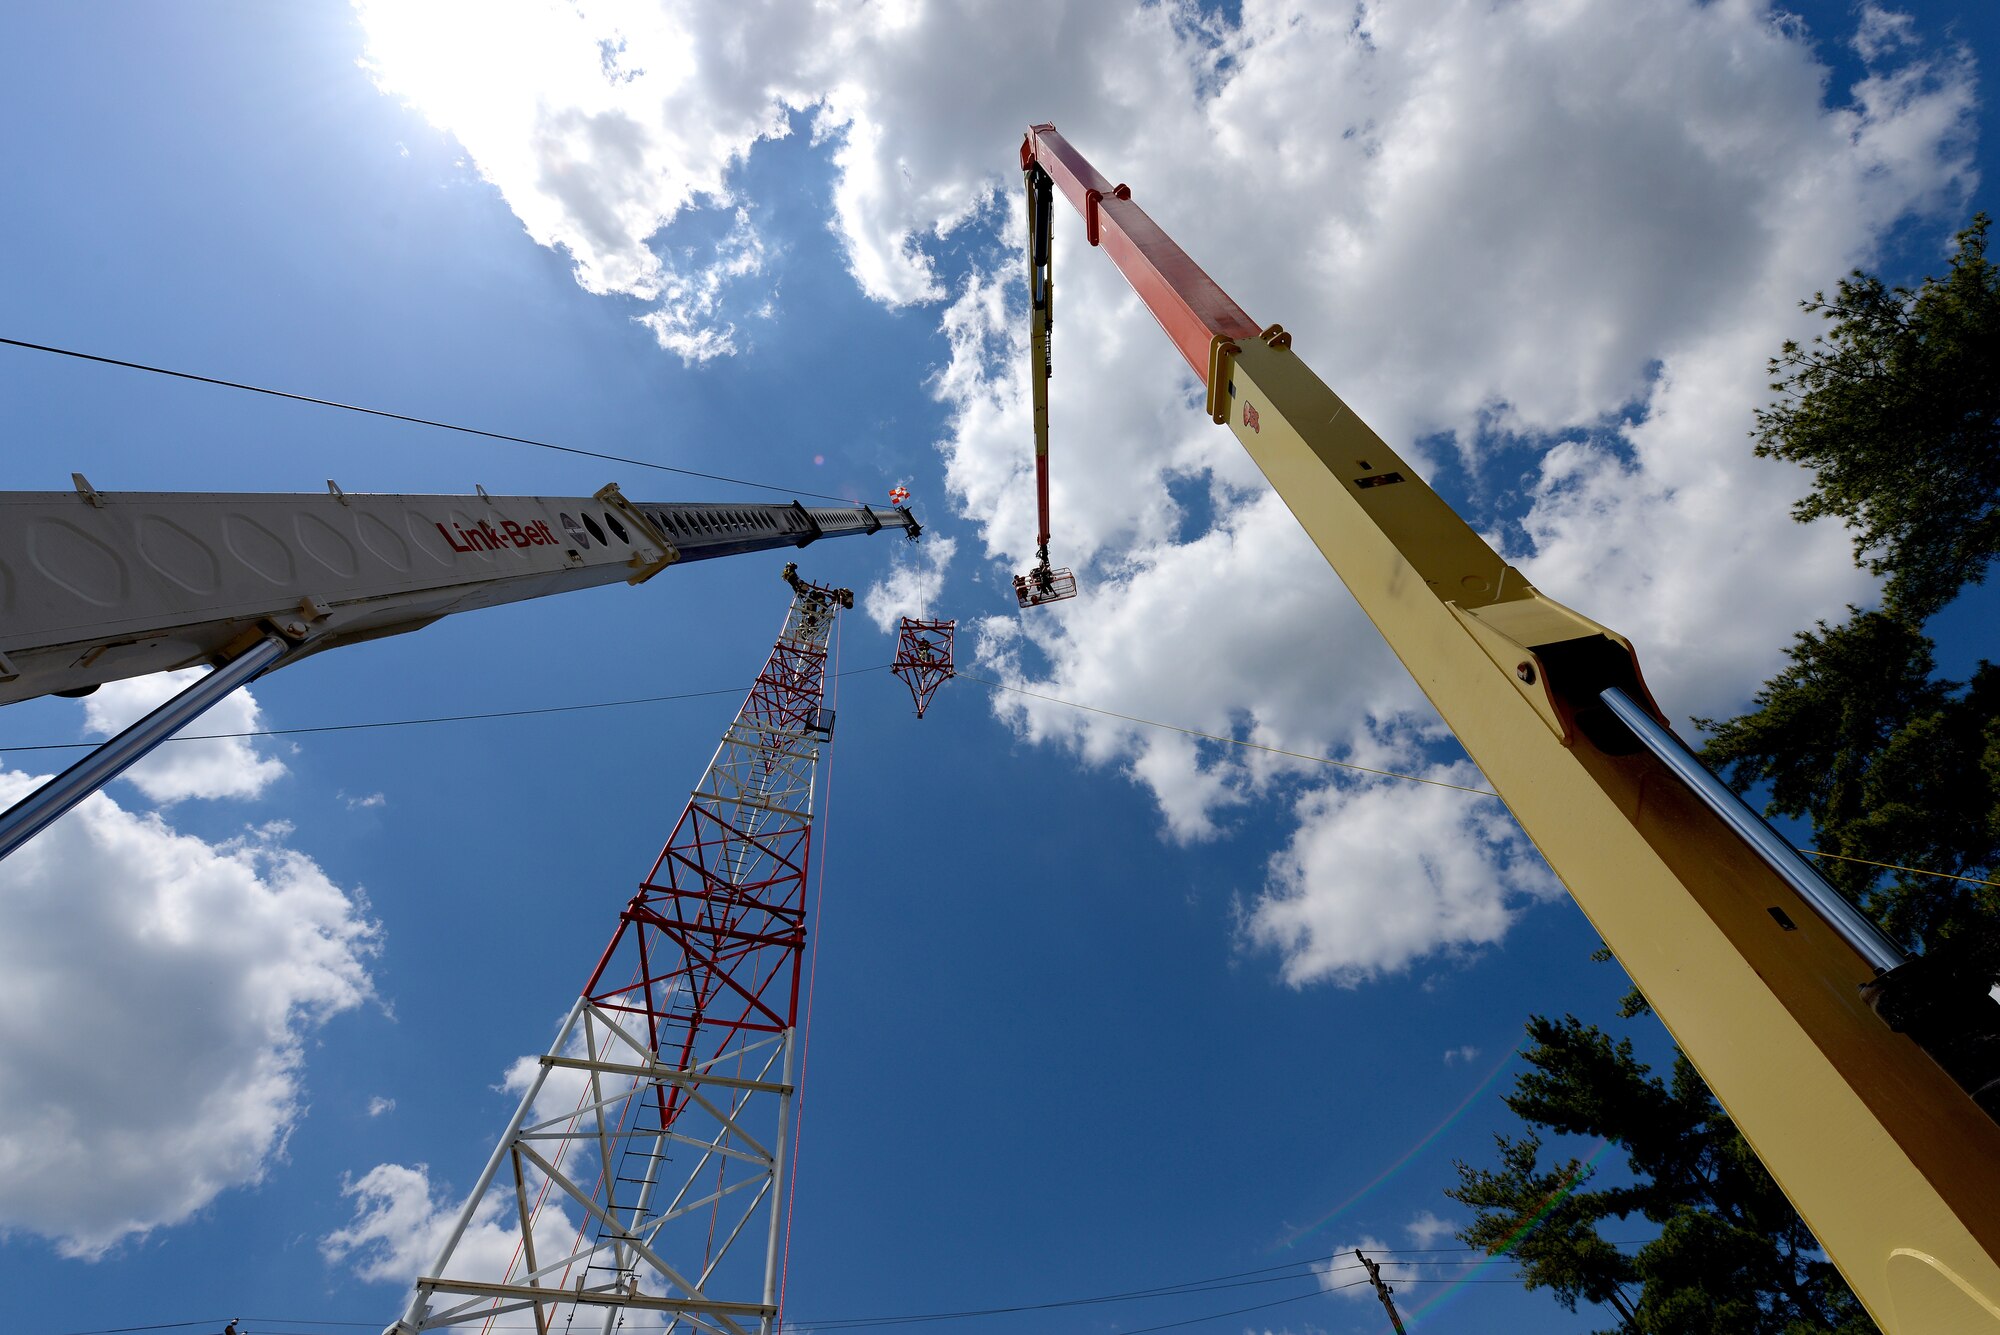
(1577, 230)
(1525, 224)
(401, 1221)
(1222, 634)
(156, 997)
(1466, 1053)
(379, 1105)
(602, 123)
(1343, 1273)
(367, 803)
(1426, 1229)
(1881, 32)
(912, 586)
(224, 767)
(685, 322)
(1378, 875)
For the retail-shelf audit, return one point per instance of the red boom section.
(1185, 300)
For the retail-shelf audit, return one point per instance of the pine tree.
(1892, 764)
(1896, 409)
(1731, 1256)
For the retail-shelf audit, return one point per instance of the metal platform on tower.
(646, 1169)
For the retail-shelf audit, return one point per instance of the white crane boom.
(96, 586)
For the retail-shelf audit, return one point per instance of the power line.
(435, 718)
(1392, 774)
(1217, 1316)
(418, 421)
(1182, 1289)
(879, 667)
(1209, 1284)
(163, 1325)
(1897, 866)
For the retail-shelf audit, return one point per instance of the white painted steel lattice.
(641, 1183)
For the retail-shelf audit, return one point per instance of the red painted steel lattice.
(923, 658)
(646, 1169)
(709, 951)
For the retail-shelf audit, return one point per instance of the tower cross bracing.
(643, 1177)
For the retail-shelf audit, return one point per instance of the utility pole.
(1382, 1290)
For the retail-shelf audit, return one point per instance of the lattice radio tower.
(642, 1182)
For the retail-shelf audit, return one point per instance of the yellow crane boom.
(1851, 1069)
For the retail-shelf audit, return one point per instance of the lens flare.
(1430, 1305)
(1299, 1234)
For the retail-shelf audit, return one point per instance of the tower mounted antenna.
(645, 1170)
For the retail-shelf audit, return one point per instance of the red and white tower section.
(643, 1181)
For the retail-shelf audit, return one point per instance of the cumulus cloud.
(1543, 248)
(379, 1105)
(137, 958)
(1465, 1053)
(1221, 634)
(688, 321)
(222, 767)
(1426, 1229)
(1552, 233)
(402, 1218)
(1377, 875)
(1881, 32)
(401, 1221)
(1342, 1272)
(912, 586)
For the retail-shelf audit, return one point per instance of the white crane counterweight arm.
(97, 586)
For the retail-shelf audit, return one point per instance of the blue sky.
(1099, 1008)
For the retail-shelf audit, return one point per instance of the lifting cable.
(418, 421)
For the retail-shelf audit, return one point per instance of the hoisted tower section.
(645, 1170)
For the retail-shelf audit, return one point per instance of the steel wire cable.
(1392, 774)
(760, 486)
(417, 421)
(1461, 1255)
(1318, 1266)
(883, 667)
(436, 718)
